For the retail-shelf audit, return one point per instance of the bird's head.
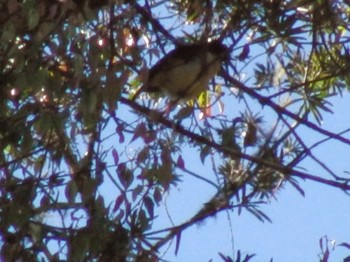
(219, 49)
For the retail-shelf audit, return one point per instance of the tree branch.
(280, 110)
(157, 117)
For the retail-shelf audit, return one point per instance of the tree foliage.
(84, 169)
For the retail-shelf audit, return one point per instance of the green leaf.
(8, 32)
(32, 18)
(71, 191)
(183, 113)
(80, 245)
(36, 232)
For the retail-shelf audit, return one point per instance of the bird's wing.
(177, 57)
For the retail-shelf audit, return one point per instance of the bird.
(185, 72)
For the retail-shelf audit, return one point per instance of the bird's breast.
(186, 79)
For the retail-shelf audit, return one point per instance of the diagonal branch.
(157, 117)
(280, 110)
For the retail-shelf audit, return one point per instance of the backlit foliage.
(84, 169)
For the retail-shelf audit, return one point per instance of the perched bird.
(185, 72)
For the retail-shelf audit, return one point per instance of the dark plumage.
(185, 72)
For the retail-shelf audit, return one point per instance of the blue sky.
(298, 222)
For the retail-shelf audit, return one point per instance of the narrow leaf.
(180, 162)
(178, 239)
(118, 202)
(115, 156)
(149, 206)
